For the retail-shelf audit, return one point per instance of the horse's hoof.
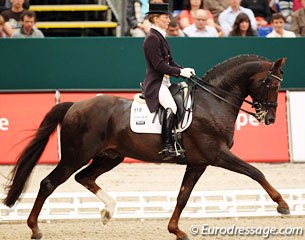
(36, 235)
(105, 216)
(283, 210)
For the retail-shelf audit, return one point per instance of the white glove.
(187, 72)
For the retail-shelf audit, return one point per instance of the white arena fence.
(202, 204)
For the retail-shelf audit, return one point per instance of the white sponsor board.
(296, 113)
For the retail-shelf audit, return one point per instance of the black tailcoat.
(159, 62)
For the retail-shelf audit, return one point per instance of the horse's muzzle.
(270, 118)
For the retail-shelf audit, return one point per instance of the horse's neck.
(234, 86)
(215, 112)
(234, 79)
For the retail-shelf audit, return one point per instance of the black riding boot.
(168, 150)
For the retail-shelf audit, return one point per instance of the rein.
(195, 80)
(259, 113)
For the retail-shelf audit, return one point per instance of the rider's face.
(162, 21)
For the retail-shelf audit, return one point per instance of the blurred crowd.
(16, 21)
(224, 18)
(190, 18)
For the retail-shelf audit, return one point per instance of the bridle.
(260, 106)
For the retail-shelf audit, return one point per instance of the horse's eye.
(274, 88)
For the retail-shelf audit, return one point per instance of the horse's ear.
(280, 63)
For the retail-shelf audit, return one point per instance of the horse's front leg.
(229, 161)
(191, 176)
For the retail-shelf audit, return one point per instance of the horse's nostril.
(271, 121)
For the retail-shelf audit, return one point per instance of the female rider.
(160, 66)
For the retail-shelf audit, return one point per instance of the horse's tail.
(31, 154)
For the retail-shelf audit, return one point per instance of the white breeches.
(165, 97)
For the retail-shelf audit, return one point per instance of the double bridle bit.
(260, 114)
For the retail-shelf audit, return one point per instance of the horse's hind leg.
(229, 161)
(87, 177)
(58, 176)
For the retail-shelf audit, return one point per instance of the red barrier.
(20, 115)
(255, 142)
(75, 97)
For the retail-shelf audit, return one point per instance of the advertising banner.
(255, 142)
(20, 116)
(75, 97)
(297, 126)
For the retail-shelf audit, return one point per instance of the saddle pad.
(143, 121)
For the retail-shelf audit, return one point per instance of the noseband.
(259, 106)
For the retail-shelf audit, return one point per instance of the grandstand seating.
(82, 19)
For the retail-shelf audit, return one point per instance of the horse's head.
(266, 86)
(244, 75)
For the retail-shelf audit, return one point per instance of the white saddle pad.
(143, 121)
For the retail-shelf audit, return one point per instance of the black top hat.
(158, 8)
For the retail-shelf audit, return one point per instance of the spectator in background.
(7, 4)
(174, 29)
(200, 28)
(260, 9)
(297, 4)
(135, 18)
(2, 32)
(227, 17)
(189, 8)
(278, 22)
(298, 21)
(242, 27)
(285, 7)
(135, 15)
(12, 16)
(272, 6)
(27, 30)
(186, 17)
(215, 7)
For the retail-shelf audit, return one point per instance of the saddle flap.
(179, 93)
(143, 121)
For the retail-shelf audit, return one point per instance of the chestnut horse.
(97, 132)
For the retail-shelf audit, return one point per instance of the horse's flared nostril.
(270, 121)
